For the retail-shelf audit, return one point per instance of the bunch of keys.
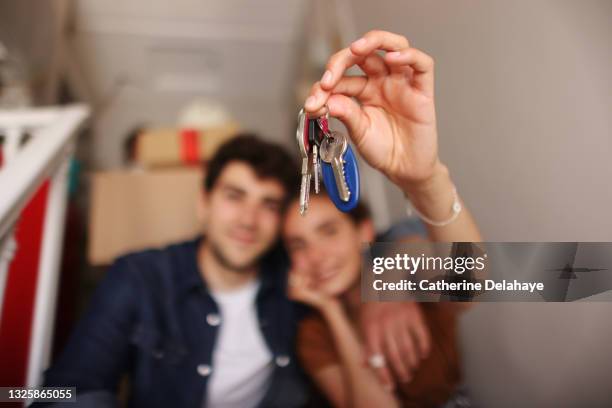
(326, 154)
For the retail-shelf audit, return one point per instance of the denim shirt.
(153, 317)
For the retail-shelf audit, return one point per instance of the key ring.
(324, 123)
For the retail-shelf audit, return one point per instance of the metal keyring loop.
(325, 131)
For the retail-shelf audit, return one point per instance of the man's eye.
(274, 207)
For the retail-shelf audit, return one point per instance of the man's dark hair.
(268, 161)
(360, 213)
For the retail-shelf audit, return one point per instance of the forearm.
(363, 388)
(434, 198)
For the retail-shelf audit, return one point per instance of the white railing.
(45, 156)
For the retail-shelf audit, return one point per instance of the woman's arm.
(434, 197)
(361, 387)
(350, 383)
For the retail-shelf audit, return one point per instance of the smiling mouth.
(245, 239)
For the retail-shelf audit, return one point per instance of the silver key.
(332, 151)
(305, 182)
(305, 186)
(316, 168)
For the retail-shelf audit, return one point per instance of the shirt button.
(282, 361)
(204, 370)
(213, 319)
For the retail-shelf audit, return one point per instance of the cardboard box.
(134, 210)
(171, 147)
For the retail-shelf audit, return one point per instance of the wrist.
(329, 307)
(430, 188)
(435, 199)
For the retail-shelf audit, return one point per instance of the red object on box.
(190, 151)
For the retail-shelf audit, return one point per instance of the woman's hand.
(398, 331)
(389, 112)
(302, 289)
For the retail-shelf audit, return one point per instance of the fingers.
(348, 85)
(421, 64)
(378, 40)
(371, 64)
(407, 348)
(337, 65)
(421, 336)
(400, 58)
(316, 100)
(395, 358)
(297, 282)
(340, 105)
(416, 59)
(350, 114)
(299, 276)
(385, 377)
(362, 53)
(374, 346)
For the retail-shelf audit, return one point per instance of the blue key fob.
(351, 174)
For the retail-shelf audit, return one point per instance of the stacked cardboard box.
(170, 147)
(134, 210)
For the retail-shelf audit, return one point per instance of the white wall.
(146, 59)
(524, 96)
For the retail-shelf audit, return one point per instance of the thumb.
(298, 274)
(348, 111)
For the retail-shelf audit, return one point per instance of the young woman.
(325, 249)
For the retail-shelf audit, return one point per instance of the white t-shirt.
(242, 362)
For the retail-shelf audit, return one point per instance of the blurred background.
(524, 104)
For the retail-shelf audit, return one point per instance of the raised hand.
(389, 112)
(302, 289)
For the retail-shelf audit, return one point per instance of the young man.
(204, 322)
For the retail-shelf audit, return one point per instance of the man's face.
(326, 244)
(243, 214)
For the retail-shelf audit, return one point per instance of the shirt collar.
(273, 268)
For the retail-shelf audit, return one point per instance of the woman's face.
(326, 244)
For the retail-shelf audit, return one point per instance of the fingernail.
(359, 43)
(393, 54)
(327, 77)
(310, 101)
